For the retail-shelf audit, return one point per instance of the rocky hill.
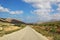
(13, 21)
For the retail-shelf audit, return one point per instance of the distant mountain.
(9, 20)
(51, 23)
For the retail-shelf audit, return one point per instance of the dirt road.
(25, 34)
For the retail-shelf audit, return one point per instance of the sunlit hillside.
(10, 25)
(49, 29)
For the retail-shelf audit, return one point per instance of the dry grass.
(11, 28)
(49, 35)
(7, 28)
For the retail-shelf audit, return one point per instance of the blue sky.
(30, 10)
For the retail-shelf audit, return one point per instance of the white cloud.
(44, 9)
(39, 3)
(2, 9)
(43, 14)
(57, 0)
(56, 16)
(16, 12)
(58, 7)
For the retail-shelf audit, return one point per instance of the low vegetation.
(9, 27)
(49, 29)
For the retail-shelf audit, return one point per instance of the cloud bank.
(45, 9)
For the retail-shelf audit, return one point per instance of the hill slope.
(10, 25)
(14, 21)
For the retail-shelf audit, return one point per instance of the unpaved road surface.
(25, 34)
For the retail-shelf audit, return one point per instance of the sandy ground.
(25, 34)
